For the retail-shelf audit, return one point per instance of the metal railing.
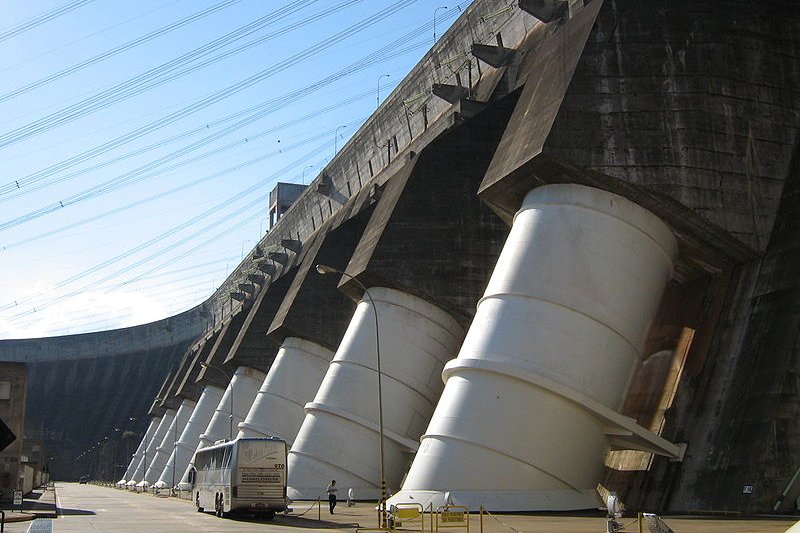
(484, 511)
(318, 504)
(451, 517)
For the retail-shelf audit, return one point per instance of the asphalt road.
(90, 508)
(96, 509)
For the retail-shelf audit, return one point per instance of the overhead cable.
(117, 50)
(159, 253)
(112, 184)
(17, 186)
(41, 19)
(106, 97)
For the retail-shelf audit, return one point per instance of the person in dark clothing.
(331, 490)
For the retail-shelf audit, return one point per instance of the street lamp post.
(325, 269)
(127, 446)
(336, 138)
(434, 21)
(104, 458)
(144, 449)
(304, 173)
(218, 369)
(174, 455)
(378, 99)
(145, 484)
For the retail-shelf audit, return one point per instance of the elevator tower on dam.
(583, 215)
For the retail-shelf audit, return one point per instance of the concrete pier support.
(164, 448)
(557, 337)
(168, 445)
(292, 381)
(235, 402)
(187, 442)
(339, 438)
(155, 441)
(138, 455)
(232, 409)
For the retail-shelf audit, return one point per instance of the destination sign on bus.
(261, 478)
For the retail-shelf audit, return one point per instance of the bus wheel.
(221, 512)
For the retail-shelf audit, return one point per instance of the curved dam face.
(107, 377)
(556, 340)
(339, 438)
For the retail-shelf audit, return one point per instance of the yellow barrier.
(403, 514)
(451, 516)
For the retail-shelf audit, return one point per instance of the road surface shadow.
(75, 512)
(292, 521)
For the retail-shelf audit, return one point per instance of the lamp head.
(325, 269)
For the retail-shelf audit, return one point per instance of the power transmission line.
(167, 165)
(113, 183)
(117, 50)
(17, 185)
(41, 19)
(108, 96)
(159, 253)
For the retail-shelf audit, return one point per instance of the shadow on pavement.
(292, 521)
(38, 506)
(313, 523)
(75, 512)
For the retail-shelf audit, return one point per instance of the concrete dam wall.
(80, 386)
(582, 213)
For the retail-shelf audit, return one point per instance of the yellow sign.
(452, 517)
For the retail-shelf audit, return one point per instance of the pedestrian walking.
(331, 490)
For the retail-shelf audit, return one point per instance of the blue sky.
(126, 127)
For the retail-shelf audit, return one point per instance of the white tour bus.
(247, 474)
